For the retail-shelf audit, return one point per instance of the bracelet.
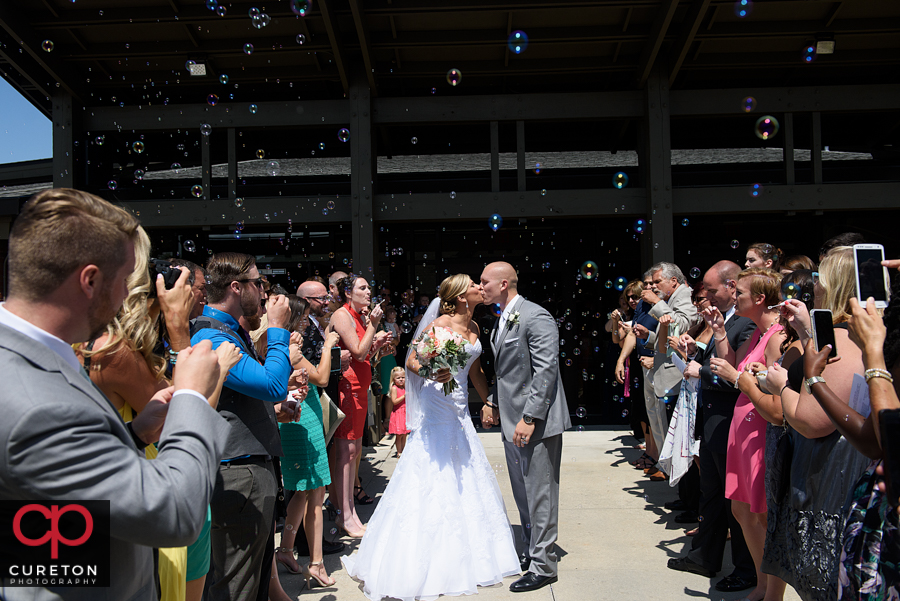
(491, 405)
(879, 373)
(173, 353)
(720, 339)
(781, 392)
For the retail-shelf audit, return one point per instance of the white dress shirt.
(504, 317)
(57, 345)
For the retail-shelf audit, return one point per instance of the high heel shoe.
(330, 508)
(361, 498)
(287, 566)
(359, 534)
(308, 575)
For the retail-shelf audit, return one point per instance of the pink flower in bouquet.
(441, 348)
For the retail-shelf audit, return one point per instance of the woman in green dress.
(305, 463)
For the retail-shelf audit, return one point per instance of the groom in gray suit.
(529, 398)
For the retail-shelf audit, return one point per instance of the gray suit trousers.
(534, 474)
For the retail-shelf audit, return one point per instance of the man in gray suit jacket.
(530, 404)
(69, 256)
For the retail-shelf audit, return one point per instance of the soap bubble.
(324, 211)
(100, 140)
(253, 109)
(589, 270)
(301, 39)
(189, 246)
(212, 100)
(743, 8)
(221, 10)
(517, 42)
(239, 202)
(608, 284)
(568, 363)
(748, 104)
(273, 168)
(625, 413)
(766, 127)
(809, 53)
(138, 147)
(330, 204)
(620, 180)
(112, 184)
(495, 222)
(139, 174)
(454, 76)
(343, 134)
(176, 167)
(581, 412)
(579, 428)
(406, 327)
(321, 145)
(414, 140)
(452, 195)
(806, 297)
(211, 4)
(223, 79)
(543, 191)
(206, 129)
(695, 272)
(790, 291)
(260, 154)
(253, 12)
(47, 45)
(735, 244)
(755, 190)
(537, 168)
(188, 65)
(620, 284)
(639, 226)
(197, 190)
(301, 8)
(248, 48)
(685, 222)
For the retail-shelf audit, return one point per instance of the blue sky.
(25, 133)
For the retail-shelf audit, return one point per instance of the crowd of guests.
(252, 404)
(269, 373)
(756, 426)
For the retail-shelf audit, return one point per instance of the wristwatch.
(527, 419)
(813, 380)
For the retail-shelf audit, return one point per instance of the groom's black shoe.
(531, 582)
(524, 562)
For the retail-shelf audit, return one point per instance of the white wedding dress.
(441, 526)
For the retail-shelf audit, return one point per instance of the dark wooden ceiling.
(134, 53)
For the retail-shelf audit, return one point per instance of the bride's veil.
(415, 382)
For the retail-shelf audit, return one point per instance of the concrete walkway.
(614, 534)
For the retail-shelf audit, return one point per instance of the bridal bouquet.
(441, 348)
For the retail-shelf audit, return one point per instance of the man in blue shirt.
(243, 501)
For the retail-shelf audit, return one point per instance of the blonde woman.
(397, 409)
(122, 364)
(443, 489)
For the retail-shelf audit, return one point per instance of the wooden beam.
(329, 17)
(362, 31)
(691, 24)
(657, 35)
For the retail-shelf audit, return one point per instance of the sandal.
(361, 498)
(658, 476)
(290, 553)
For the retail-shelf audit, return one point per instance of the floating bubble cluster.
(517, 42)
(766, 127)
(620, 180)
(589, 270)
(743, 8)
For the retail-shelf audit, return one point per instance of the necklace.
(769, 328)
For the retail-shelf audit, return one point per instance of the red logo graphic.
(53, 514)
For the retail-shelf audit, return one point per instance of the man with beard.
(243, 501)
(70, 255)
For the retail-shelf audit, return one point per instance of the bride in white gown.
(441, 526)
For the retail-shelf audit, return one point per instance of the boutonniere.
(512, 320)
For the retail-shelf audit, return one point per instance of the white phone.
(871, 276)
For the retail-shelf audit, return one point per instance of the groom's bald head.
(502, 270)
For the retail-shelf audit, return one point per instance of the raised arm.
(344, 324)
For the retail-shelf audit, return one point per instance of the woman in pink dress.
(745, 466)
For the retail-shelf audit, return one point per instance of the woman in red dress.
(358, 335)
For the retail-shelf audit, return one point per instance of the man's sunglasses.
(258, 282)
(321, 299)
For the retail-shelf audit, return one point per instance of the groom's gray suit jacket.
(526, 362)
(60, 438)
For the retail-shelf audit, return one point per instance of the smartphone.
(335, 360)
(823, 330)
(889, 425)
(871, 276)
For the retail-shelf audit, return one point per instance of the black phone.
(889, 421)
(823, 330)
(335, 360)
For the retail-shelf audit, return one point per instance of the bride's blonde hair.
(451, 288)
